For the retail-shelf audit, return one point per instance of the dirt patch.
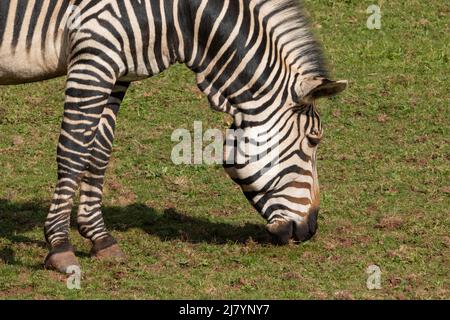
(421, 139)
(114, 185)
(220, 213)
(336, 113)
(320, 295)
(422, 162)
(446, 241)
(382, 118)
(243, 283)
(389, 223)
(372, 209)
(291, 276)
(446, 189)
(17, 141)
(16, 291)
(403, 252)
(343, 295)
(124, 196)
(56, 276)
(394, 281)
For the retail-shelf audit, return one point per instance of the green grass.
(188, 232)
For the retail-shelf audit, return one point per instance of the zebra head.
(261, 64)
(274, 161)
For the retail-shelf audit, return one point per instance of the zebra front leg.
(90, 220)
(87, 94)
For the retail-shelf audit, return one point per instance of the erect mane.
(306, 50)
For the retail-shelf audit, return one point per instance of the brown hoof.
(113, 253)
(107, 249)
(61, 261)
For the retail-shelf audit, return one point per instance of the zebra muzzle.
(282, 231)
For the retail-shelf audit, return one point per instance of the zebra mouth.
(283, 231)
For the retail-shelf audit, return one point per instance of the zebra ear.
(315, 88)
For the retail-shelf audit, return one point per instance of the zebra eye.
(314, 137)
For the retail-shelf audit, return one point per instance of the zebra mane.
(306, 49)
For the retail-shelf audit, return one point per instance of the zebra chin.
(283, 231)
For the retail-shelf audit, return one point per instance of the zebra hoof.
(107, 249)
(113, 253)
(61, 261)
(281, 231)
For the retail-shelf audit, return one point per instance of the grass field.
(384, 168)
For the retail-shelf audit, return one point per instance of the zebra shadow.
(16, 219)
(171, 224)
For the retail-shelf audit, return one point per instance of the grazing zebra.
(254, 59)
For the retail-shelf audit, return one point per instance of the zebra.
(256, 60)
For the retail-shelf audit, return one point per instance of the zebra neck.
(224, 41)
(243, 64)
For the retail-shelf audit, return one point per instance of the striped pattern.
(254, 59)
